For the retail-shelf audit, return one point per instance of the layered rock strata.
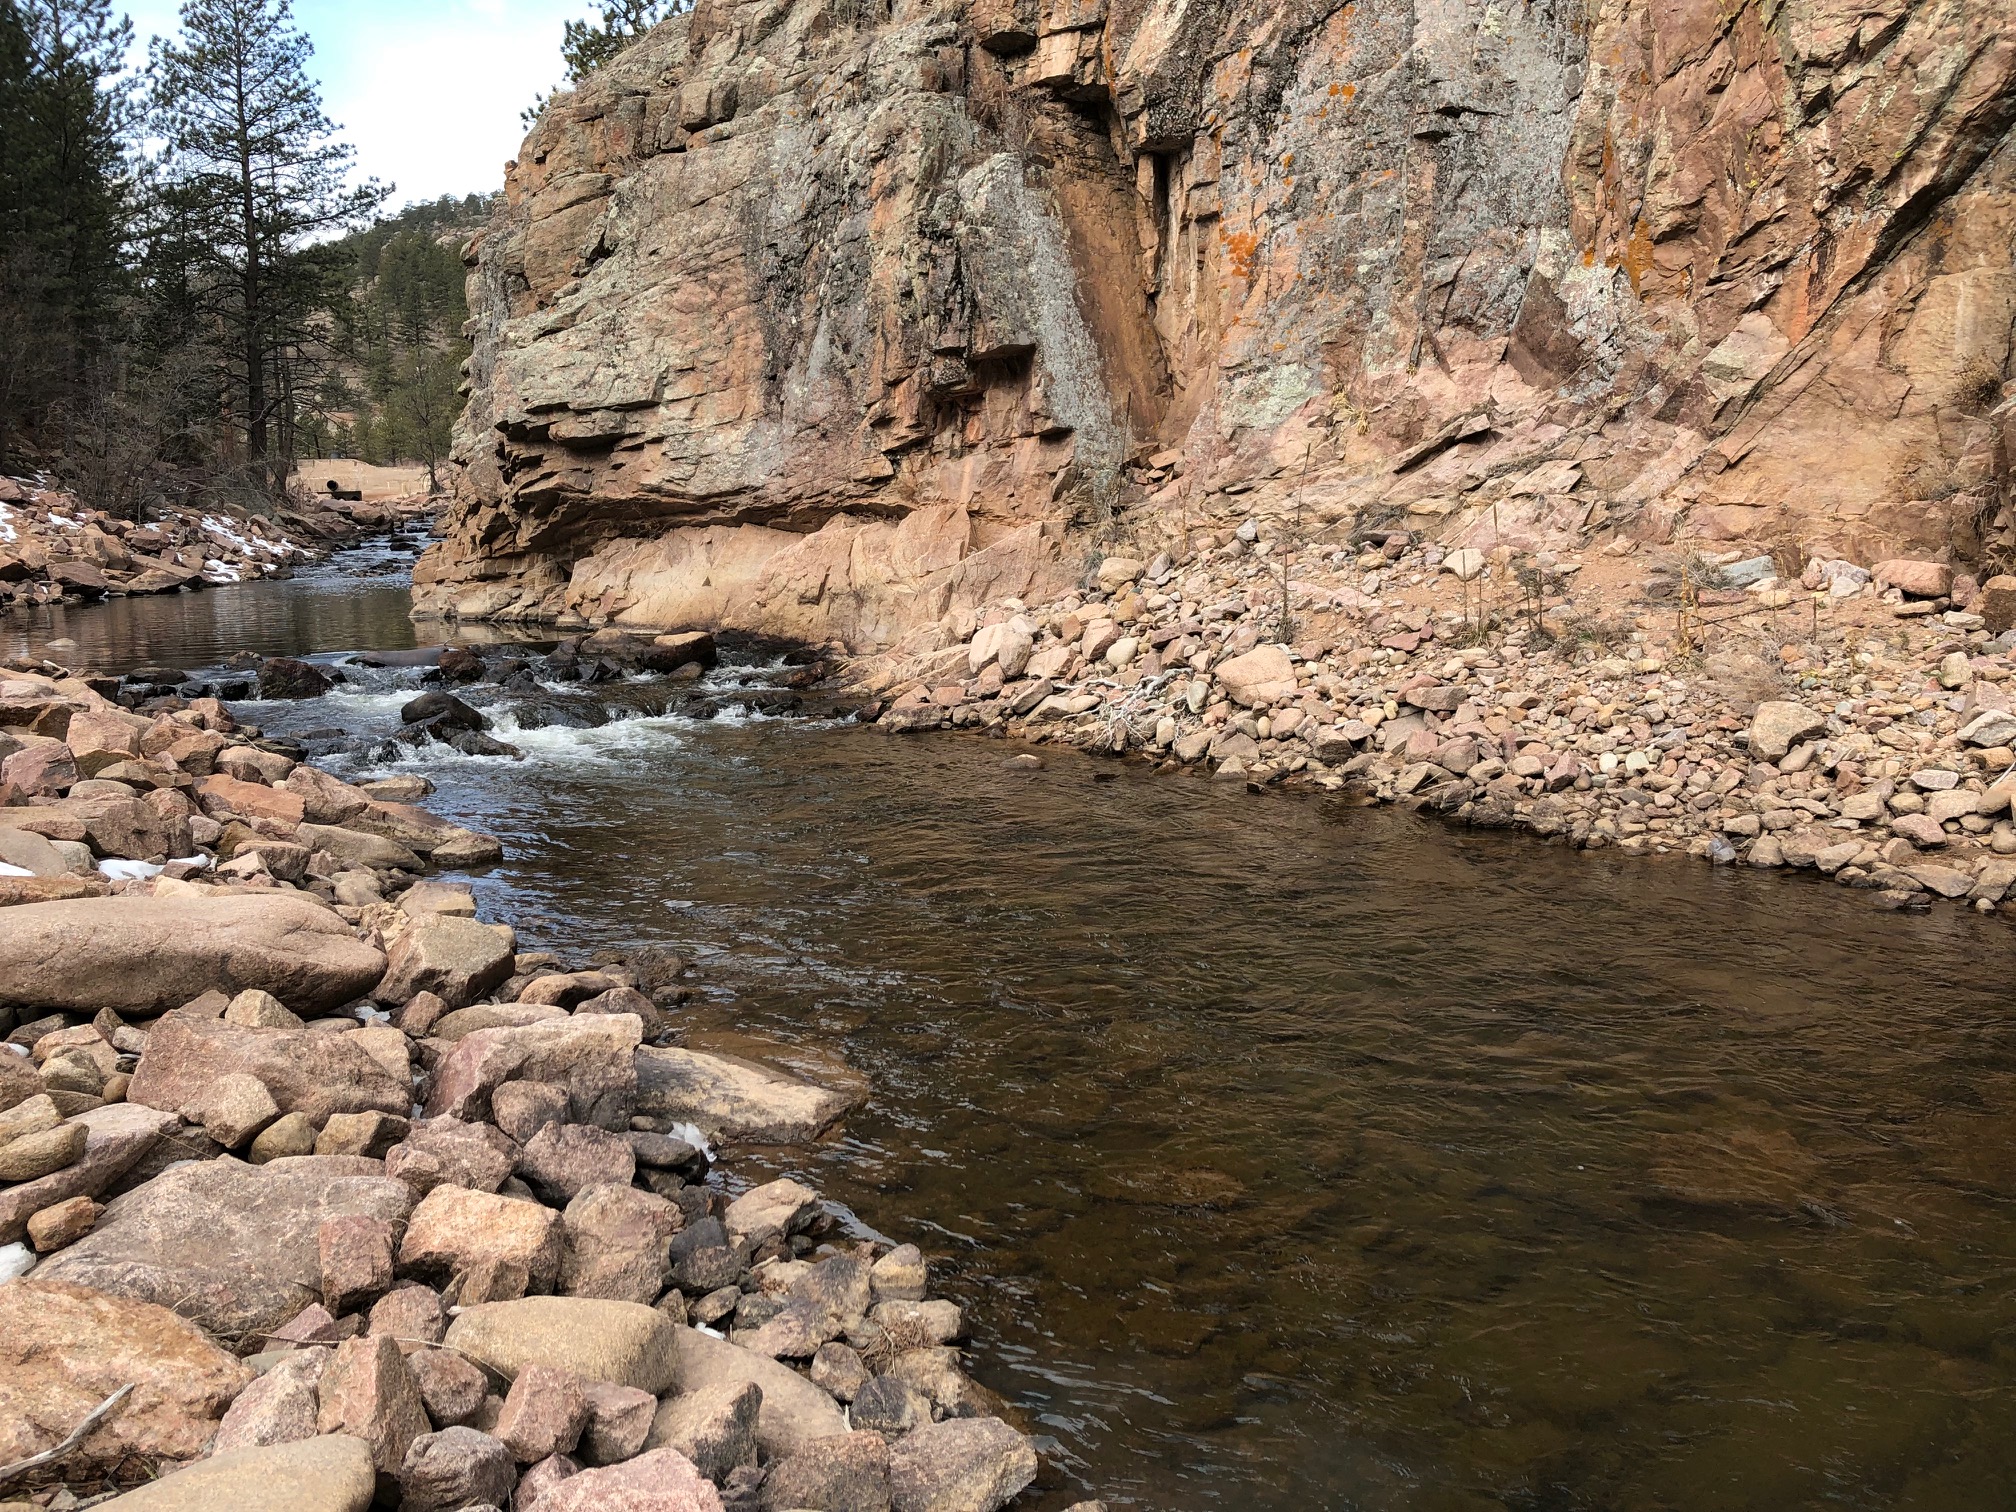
(840, 318)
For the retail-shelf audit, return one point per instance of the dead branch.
(83, 1431)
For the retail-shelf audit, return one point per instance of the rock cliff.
(839, 318)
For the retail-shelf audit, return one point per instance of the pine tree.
(65, 205)
(587, 45)
(253, 179)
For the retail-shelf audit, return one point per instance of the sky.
(427, 91)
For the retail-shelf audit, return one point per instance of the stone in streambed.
(563, 1160)
(453, 1389)
(713, 1426)
(330, 1474)
(622, 1342)
(304, 1070)
(737, 1099)
(233, 1247)
(65, 1348)
(44, 1153)
(1778, 726)
(147, 955)
(118, 1137)
(457, 1467)
(449, 1152)
(592, 1059)
(848, 1472)
(662, 1480)
(793, 1410)
(458, 960)
(544, 1413)
(960, 1465)
(367, 1392)
(617, 1244)
(281, 1407)
(454, 1228)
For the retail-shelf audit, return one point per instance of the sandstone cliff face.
(838, 318)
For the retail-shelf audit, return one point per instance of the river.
(1293, 1155)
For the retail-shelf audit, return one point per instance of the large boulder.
(329, 1474)
(622, 1342)
(147, 955)
(737, 1099)
(794, 1412)
(232, 1247)
(116, 1138)
(130, 828)
(65, 1348)
(458, 960)
(306, 1071)
(593, 1059)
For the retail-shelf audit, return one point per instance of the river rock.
(281, 1407)
(31, 852)
(890, 1406)
(458, 960)
(838, 1371)
(619, 1420)
(305, 1070)
(368, 1393)
(770, 1211)
(713, 1426)
(848, 1472)
(1920, 579)
(960, 1465)
(33, 1156)
(621, 1342)
(593, 1059)
(563, 1160)
(146, 955)
(793, 1410)
(453, 1389)
(226, 798)
(544, 1413)
(290, 677)
(331, 1474)
(1776, 727)
(448, 1151)
(1261, 677)
(457, 1467)
(117, 1137)
(617, 1241)
(64, 1348)
(662, 1480)
(736, 1099)
(232, 1247)
(454, 1228)
(357, 1260)
(359, 848)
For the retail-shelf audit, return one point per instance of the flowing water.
(1290, 1155)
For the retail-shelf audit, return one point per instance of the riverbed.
(1288, 1154)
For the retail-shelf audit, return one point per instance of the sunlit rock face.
(836, 319)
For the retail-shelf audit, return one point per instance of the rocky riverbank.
(56, 549)
(317, 1192)
(1850, 722)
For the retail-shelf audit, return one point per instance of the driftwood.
(83, 1431)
